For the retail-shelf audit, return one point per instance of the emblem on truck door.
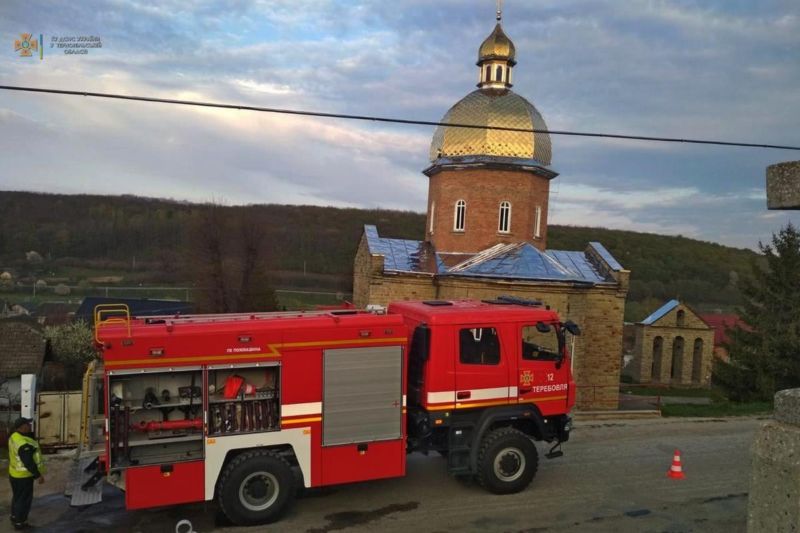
(526, 378)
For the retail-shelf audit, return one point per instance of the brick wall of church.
(483, 189)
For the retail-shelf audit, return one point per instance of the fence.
(76, 293)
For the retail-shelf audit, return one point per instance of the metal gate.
(58, 418)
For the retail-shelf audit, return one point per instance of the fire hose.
(168, 425)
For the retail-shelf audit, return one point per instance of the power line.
(370, 118)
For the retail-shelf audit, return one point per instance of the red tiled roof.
(720, 322)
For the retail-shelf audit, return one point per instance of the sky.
(715, 69)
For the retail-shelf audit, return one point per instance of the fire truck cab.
(247, 408)
(484, 379)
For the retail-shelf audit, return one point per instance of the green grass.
(723, 408)
(671, 391)
(298, 301)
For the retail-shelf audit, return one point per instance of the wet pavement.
(612, 478)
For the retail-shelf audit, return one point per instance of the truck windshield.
(538, 346)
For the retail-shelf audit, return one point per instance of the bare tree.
(227, 261)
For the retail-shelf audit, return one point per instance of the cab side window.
(479, 346)
(539, 346)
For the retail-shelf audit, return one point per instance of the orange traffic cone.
(676, 471)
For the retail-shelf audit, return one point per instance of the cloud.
(677, 68)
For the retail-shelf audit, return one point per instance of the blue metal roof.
(660, 312)
(519, 260)
(401, 255)
(580, 264)
(606, 255)
(524, 261)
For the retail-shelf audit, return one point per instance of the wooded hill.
(144, 239)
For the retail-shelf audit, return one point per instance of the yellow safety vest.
(16, 468)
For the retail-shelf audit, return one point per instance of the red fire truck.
(247, 408)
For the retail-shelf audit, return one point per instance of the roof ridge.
(660, 312)
(485, 255)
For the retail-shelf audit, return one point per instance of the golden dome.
(492, 108)
(497, 46)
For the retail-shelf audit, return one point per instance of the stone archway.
(676, 371)
(658, 348)
(697, 361)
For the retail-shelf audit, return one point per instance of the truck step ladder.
(458, 449)
(84, 484)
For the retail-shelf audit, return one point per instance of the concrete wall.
(783, 185)
(774, 500)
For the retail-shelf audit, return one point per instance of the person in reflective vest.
(24, 465)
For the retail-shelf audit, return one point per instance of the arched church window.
(537, 223)
(681, 318)
(504, 225)
(459, 217)
(433, 211)
(498, 74)
(488, 73)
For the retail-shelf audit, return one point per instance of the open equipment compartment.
(155, 416)
(243, 398)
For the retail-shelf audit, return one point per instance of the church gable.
(674, 314)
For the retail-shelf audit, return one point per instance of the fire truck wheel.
(257, 487)
(507, 461)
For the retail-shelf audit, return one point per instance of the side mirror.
(572, 327)
(541, 327)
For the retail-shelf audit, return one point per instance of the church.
(486, 228)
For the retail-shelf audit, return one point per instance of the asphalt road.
(612, 478)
